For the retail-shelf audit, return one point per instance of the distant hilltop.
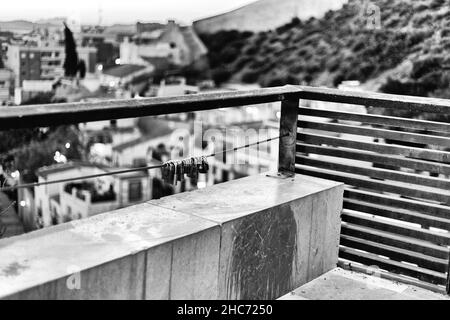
(24, 26)
(264, 15)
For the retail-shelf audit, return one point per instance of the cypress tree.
(71, 62)
(82, 68)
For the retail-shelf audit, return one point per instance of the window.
(31, 55)
(135, 191)
(23, 55)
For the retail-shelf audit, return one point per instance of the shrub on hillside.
(221, 75)
(424, 66)
(250, 77)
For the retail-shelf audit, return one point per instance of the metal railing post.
(447, 287)
(288, 134)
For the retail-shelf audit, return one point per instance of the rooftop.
(124, 70)
(61, 167)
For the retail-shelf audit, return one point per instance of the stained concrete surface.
(221, 203)
(9, 218)
(340, 284)
(220, 242)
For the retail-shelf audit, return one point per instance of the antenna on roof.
(100, 14)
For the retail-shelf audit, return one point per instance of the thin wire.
(92, 176)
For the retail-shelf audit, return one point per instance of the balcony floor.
(340, 284)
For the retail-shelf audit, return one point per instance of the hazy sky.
(116, 11)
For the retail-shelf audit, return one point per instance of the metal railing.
(396, 209)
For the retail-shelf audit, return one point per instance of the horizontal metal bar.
(378, 133)
(398, 214)
(397, 202)
(392, 266)
(421, 180)
(387, 160)
(348, 265)
(373, 99)
(395, 240)
(440, 196)
(382, 148)
(378, 119)
(439, 238)
(68, 113)
(396, 254)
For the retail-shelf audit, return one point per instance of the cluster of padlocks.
(173, 171)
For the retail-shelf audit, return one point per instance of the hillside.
(19, 26)
(264, 15)
(408, 54)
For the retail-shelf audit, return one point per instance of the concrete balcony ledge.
(254, 238)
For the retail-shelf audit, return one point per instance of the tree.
(71, 62)
(82, 68)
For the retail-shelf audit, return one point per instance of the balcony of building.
(365, 191)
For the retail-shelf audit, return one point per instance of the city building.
(180, 45)
(57, 203)
(125, 75)
(107, 50)
(175, 86)
(29, 62)
(6, 86)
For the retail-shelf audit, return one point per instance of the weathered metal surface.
(377, 133)
(381, 148)
(441, 184)
(374, 99)
(387, 160)
(56, 114)
(67, 113)
(378, 119)
(404, 189)
(398, 241)
(288, 132)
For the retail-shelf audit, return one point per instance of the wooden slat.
(375, 99)
(395, 161)
(393, 266)
(378, 119)
(381, 148)
(363, 182)
(439, 238)
(378, 133)
(77, 112)
(377, 173)
(350, 265)
(396, 254)
(398, 214)
(396, 202)
(395, 240)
